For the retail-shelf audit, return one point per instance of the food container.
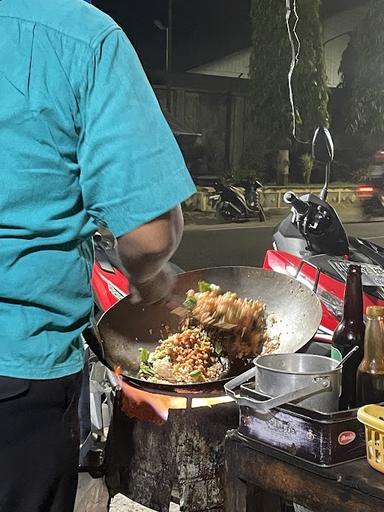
(309, 380)
(372, 416)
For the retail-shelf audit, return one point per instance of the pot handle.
(264, 406)
(238, 381)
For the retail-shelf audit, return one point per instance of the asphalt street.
(244, 244)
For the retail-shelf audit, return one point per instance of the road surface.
(244, 244)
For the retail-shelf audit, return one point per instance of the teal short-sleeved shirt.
(82, 143)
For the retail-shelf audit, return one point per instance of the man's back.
(44, 48)
(83, 143)
(76, 119)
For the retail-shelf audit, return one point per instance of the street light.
(168, 34)
(160, 25)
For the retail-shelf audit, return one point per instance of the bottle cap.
(375, 311)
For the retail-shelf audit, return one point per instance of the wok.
(126, 327)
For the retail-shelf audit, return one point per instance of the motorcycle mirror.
(322, 146)
(323, 151)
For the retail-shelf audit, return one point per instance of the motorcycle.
(239, 201)
(371, 196)
(311, 245)
(109, 281)
(371, 191)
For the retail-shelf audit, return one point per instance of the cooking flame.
(153, 407)
(148, 406)
(210, 402)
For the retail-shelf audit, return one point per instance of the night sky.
(203, 29)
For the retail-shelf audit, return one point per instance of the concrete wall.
(337, 196)
(273, 197)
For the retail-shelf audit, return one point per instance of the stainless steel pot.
(309, 380)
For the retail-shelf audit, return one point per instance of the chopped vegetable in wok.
(187, 357)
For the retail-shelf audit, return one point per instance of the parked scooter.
(239, 201)
(371, 191)
(109, 281)
(312, 246)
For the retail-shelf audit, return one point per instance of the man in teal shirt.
(83, 143)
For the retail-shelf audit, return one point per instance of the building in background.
(200, 69)
(336, 30)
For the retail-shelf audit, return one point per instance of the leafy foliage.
(269, 67)
(309, 80)
(306, 164)
(270, 61)
(362, 70)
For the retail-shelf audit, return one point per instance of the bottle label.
(336, 354)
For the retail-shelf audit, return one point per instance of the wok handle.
(264, 406)
(94, 341)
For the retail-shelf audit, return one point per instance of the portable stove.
(322, 439)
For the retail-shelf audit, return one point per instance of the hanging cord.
(295, 47)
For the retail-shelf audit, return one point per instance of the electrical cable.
(294, 41)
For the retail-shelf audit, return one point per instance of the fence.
(215, 107)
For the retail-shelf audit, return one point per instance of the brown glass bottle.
(349, 333)
(370, 374)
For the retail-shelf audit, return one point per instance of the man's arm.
(145, 252)
(132, 170)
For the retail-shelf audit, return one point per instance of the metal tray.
(321, 439)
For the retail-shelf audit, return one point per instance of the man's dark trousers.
(39, 444)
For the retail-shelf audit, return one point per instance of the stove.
(156, 458)
(304, 434)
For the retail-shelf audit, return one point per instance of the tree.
(270, 62)
(362, 71)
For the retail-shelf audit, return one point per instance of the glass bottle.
(349, 333)
(370, 374)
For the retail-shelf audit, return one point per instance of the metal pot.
(309, 380)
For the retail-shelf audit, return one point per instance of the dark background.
(203, 29)
(213, 111)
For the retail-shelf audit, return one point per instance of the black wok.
(125, 328)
